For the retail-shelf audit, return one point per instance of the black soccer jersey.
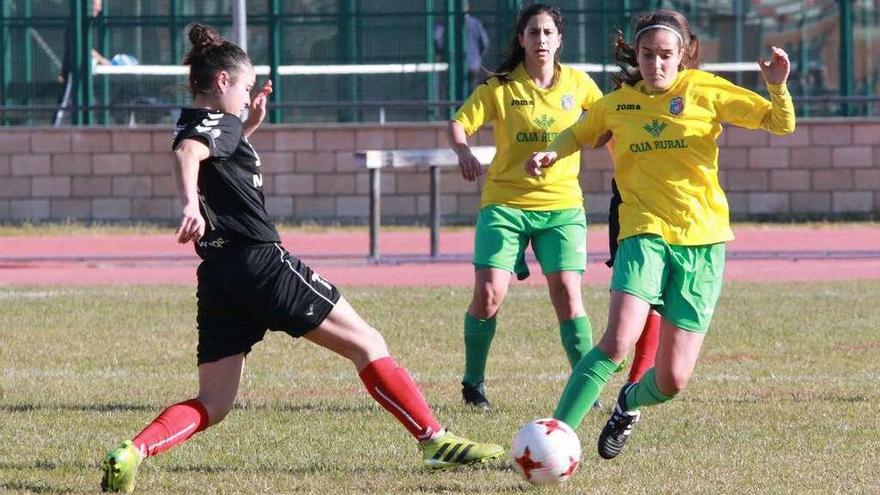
(230, 183)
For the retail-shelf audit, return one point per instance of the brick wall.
(826, 169)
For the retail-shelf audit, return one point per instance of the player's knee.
(368, 345)
(566, 296)
(217, 410)
(374, 341)
(674, 383)
(486, 302)
(613, 345)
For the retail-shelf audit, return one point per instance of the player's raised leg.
(347, 334)
(626, 319)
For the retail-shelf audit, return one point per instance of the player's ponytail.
(210, 54)
(626, 55)
(516, 53)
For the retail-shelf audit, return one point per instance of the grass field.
(784, 400)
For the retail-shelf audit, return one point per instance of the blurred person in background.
(476, 44)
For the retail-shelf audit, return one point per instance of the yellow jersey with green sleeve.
(666, 151)
(526, 118)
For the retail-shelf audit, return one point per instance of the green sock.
(583, 387)
(577, 338)
(478, 336)
(646, 393)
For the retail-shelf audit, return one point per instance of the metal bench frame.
(434, 159)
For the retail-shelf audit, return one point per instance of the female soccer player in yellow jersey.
(665, 119)
(529, 99)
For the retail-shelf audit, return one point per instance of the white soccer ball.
(546, 451)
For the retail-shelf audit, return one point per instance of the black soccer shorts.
(243, 291)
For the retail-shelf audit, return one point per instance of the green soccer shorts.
(682, 282)
(558, 239)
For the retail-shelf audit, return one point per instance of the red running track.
(771, 253)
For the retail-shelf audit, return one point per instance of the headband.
(660, 26)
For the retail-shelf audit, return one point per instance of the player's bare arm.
(186, 174)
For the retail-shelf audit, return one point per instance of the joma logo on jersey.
(628, 106)
(521, 103)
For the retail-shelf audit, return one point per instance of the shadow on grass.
(122, 407)
(284, 407)
(45, 465)
(48, 465)
(19, 408)
(432, 482)
(451, 488)
(498, 467)
(29, 487)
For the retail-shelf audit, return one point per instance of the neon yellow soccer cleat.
(447, 451)
(120, 468)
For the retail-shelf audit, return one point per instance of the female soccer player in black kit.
(248, 283)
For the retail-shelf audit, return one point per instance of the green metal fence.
(834, 46)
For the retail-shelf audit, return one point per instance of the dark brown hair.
(626, 55)
(210, 54)
(517, 53)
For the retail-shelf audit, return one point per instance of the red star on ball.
(572, 467)
(551, 425)
(527, 464)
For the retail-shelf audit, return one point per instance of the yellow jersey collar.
(642, 88)
(522, 75)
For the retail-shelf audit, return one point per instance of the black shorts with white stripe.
(244, 291)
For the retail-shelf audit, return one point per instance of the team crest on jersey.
(567, 102)
(676, 106)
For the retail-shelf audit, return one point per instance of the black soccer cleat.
(475, 396)
(619, 427)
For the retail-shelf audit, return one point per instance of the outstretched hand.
(257, 108)
(776, 70)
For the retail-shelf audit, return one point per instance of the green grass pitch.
(784, 400)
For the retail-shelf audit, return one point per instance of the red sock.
(646, 348)
(172, 427)
(392, 387)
